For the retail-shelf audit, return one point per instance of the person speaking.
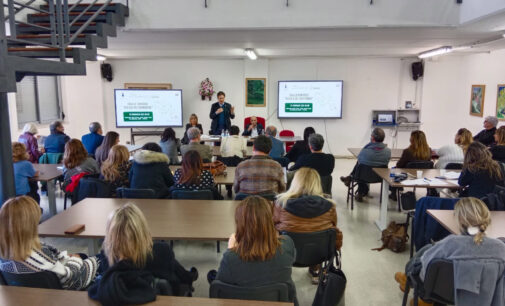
(221, 112)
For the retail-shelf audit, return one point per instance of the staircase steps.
(44, 17)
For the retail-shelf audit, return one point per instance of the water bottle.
(227, 133)
(222, 133)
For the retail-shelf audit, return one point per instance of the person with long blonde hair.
(131, 254)
(480, 172)
(478, 261)
(22, 252)
(454, 153)
(498, 150)
(116, 168)
(464, 138)
(256, 254)
(303, 208)
(417, 151)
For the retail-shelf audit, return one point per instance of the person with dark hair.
(234, 145)
(486, 136)
(102, 152)
(301, 147)
(193, 122)
(195, 145)
(94, 139)
(221, 112)
(76, 160)
(254, 128)
(321, 162)
(277, 145)
(170, 145)
(259, 174)
(374, 154)
(55, 142)
(150, 170)
(498, 150)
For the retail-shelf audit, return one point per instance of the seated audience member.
(192, 176)
(304, 209)
(321, 162)
(193, 122)
(102, 152)
(454, 153)
(254, 128)
(486, 136)
(478, 261)
(30, 141)
(301, 147)
(277, 145)
(23, 171)
(498, 151)
(260, 173)
(417, 151)
(76, 160)
(150, 170)
(170, 145)
(195, 145)
(374, 154)
(480, 172)
(55, 142)
(22, 252)
(234, 145)
(134, 261)
(256, 254)
(116, 168)
(94, 139)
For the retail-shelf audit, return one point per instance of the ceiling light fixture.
(251, 54)
(100, 57)
(434, 52)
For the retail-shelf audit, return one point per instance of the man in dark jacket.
(55, 143)
(221, 112)
(374, 154)
(486, 136)
(321, 162)
(254, 128)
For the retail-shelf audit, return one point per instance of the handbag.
(332, 282)
(216, 168)
(408, 200)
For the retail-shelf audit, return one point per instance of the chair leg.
(406, 293)
(412, 238)
(416, 296)
(398, 199)
(64, 201)
(218, 246)
(380, 197)
(352, 195)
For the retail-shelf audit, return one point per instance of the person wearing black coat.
(221, 114)
(150, 171)
(300, 147)
(253, 126)
(486, 136)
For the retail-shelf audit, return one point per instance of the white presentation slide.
(148, 108)
(310, 99)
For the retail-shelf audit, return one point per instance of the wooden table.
(387, 181)
(167, 219)
(219, 179)
(49, 173)
(446, 217)
(16, 296)
(395, 153)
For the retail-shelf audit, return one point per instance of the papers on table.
(209, 137)
(60, 168)
(430, 182)
(451, 175)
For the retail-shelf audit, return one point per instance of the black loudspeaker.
(417, 70)
(106, 71)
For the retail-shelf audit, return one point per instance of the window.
(38, 99)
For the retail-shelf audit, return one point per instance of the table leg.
(93, 246)
(51, 197)
(383, 216)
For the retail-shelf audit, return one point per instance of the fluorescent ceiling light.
(434, 52)
(251, 54)
(100, 57)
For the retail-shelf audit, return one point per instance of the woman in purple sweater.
(30, 141)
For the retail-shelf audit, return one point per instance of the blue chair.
(275, 292)
(313, 248)
(131, 193)
(45, 279)
(186, 194)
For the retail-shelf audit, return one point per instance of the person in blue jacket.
(94, 139)
(55, 143)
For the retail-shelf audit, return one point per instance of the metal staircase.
(56, 38)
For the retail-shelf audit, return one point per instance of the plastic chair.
(162, 287)
(288, 133)
(131, 193)
(326, 183)
(454, 166)
(438, 285)
(363, 174)
(90, 187)
(275, 292)
(45, 279)
(186, 194)
(313, 248)
(261, 120)
(420, 164)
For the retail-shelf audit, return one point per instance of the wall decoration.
(255, 92)
(206, 89)
(477, 100)
(500, 102)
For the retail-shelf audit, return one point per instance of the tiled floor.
(369, 273)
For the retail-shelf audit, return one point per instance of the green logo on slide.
(138, 116)
(298, 107)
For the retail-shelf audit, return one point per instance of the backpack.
(216, 168)
(394, 237)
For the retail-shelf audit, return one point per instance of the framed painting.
(500, 102)
(477, 100)
(255, 92)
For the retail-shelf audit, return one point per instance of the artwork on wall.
(477, 100)
(255, 92)
(500, 102)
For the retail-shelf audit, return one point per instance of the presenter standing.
(221, 112)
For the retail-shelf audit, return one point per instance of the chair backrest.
(439, 281)
(162, 287)
(131, 193)
(313, 248)
(261, 120)
(51, 158)
(274, 292)
(90, 187)
(45, 279)
(327, 182)
(288, 133)
(420, 164)
(454, 166)
(185, 194)
(365, 173)
(269, 196)
(231, 161)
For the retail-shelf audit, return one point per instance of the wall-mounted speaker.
(106, 71)
(417, 70)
